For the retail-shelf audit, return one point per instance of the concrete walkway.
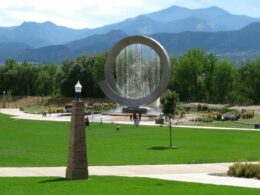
(16, 113)
(198, 173)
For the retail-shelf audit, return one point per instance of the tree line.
(25, 79)
(196, 76)
(202, 77)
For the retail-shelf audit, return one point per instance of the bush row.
(101, 106)
(247, 114)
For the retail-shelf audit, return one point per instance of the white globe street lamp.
(78, 89)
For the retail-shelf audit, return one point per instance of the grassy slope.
(40, 143)
(113, 185)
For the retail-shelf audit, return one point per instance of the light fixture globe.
(78, 89)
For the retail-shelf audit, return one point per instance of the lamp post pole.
(170, 127)
(4, 100)
(77, 166)
(170, 124)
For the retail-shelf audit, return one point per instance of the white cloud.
(65, 12)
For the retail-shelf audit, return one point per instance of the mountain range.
(177, 28)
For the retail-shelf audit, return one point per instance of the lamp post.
(4, 101)
(78, 89)
(77, 166)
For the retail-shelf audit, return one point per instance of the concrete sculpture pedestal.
(77, 167)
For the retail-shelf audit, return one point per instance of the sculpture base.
(143, 110)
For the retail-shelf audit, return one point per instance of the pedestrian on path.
(49, 111)
(86, 122)
(136, 120)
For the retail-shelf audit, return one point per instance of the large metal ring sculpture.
(109, 86)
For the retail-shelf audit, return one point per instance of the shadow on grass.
(59, 179)
(162, 148)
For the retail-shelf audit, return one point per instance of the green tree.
(46, 80)
(223, 84)
(187, 78)
(98, 73)
(68, 77)
(169, 108)
(80, 69)
(169, 104)
(249, 83)
(207, 77)
(19, 79)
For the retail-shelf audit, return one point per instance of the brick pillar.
(77, 167)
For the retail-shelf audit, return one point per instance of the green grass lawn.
(113, 185)
(42, 143)
(229, 124)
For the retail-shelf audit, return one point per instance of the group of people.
(44, 113)
(136, 117)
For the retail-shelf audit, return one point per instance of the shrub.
(188, 107)
(159, 121)
(247, 170)
(223, 110)
(217, 116)
(208, 118)
(248, 114)
(202, 107)
(100, 106)
(236, 170)
(180, 111)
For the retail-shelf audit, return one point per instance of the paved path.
(198, 173)
(16, 113)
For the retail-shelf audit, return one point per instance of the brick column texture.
(77, 167)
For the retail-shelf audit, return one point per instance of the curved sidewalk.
(197, 173)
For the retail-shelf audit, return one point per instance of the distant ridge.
(57, 53)
(244, 43)
(39, 34)
(176, 27)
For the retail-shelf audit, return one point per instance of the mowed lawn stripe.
(42, 143)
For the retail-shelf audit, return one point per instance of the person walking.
(86, 121)
(135, 118)
(49, 111)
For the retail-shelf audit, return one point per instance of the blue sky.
(94, 13)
